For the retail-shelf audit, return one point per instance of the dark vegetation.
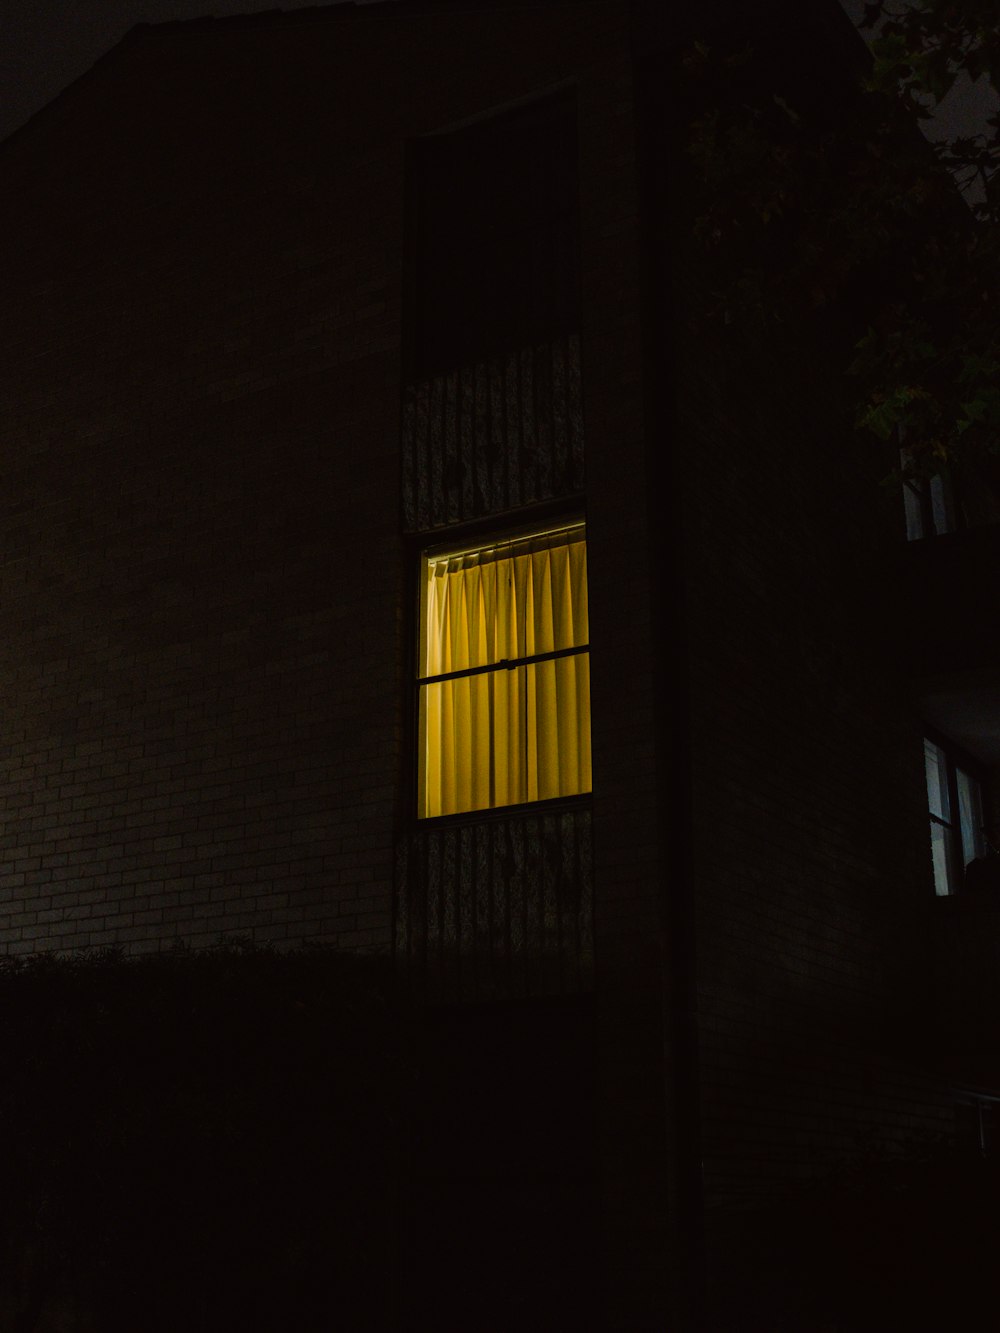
(242, 1139)
(901, 1241)
(199, 1141)
(820, 203)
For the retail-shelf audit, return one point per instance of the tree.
(816, 206)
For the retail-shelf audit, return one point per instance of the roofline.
(347, 9)
(339, 12)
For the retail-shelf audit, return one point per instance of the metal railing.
(493, 436)
(497, 906)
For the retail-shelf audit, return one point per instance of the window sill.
(584, 800)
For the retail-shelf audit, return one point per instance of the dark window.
(955, 806)
(930, 509)
(493, 234)
(963, 493)
(929, 502)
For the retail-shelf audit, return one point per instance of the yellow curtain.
(518, 733)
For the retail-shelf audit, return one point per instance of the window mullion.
(505, 664)
(957, 867)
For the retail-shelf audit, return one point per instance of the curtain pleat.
(518, 733)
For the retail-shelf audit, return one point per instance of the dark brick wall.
(201, 588)
(627, 681)
(205, 592)
(812, 875)
(203, 583)
(807, 871)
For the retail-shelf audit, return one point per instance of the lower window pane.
(970, 816)
(504, 737)
(942, 857)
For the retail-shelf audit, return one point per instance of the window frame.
(552, 112)
(956, 760)
(930, 507)
(495, 529)
(983, 1119)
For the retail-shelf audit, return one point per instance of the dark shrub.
(198, 1141)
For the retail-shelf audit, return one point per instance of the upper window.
(956, 815)
(504, 672)
(494, 211)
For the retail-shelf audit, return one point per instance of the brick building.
(326, 328)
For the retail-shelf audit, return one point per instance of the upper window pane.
(936, 770)
(494, 212)
(506, 601)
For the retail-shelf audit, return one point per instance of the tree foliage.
(830, 205)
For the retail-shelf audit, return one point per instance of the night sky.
(46, 44)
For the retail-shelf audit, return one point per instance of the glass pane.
(941, 506)
(557, 726)
(505, 737)
(941, 844)
(913, 506)
(455, 746)
(936, 770)
(970, 817)
(505, 601)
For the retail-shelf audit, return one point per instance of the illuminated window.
(504, 676)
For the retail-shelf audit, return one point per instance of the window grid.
(521, 735)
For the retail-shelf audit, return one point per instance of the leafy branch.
(842, 210)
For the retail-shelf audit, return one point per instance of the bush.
(198, 1141)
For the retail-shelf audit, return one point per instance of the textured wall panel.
(493, 436)
(502, 906)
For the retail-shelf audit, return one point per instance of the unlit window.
(954, 800)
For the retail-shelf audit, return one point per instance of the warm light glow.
(516, 731)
